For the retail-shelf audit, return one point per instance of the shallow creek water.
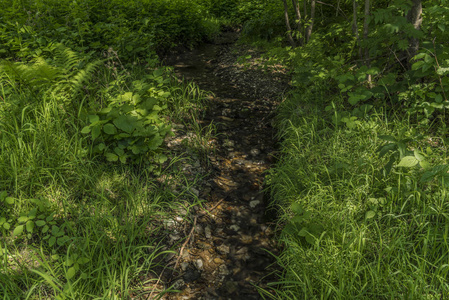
(227, 256)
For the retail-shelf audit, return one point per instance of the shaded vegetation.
(85, 180)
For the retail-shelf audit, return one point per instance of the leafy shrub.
(130, 126)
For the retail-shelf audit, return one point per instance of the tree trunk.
(414, 17)
(304, 2)
(365, 37)
(355, 28)
(312, 19)
(298, 20)
(287, 23)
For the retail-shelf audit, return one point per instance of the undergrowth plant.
(363, 206)
(85, 180)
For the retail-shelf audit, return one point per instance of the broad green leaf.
(424, 164)
(123, 159)
(111, 157)
(161, 158)
(9, 200)
(370, 214)
(22, 219)
(18, 230)
(52, 241)
(30, 226)
(40, 223)
(71, 272)
(54, 229)
(408, 162)
(85, 130)
(83, 260)
(387, 138)
(303, 232)
(3, 195)
(109, 129)
(93, 119)
(32, 214)
(6, 226)
(297, 208)
(155, 142)
(119, 151)
(96, 131)
(45, 229)
(158, 72)
(310, 239)
(2, 220)
(125, 97)
(62, 240)
(125, 123)
(418, 155)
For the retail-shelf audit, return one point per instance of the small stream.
(229, 257)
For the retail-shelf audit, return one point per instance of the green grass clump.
(74, 223)
(352, 228)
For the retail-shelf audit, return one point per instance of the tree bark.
(312, 19)
(355, 28)
(298, 19)
(287, 23)
(365, 37)
(414, 17)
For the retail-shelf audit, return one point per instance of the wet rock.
(198, 264)
(246, 239)
(234, 227)
(218, 261)
(178, 284)
(223, 249)
(255, 152)
(191, 275)
(223, 270)
(207, 232)
(169, 223)
(254, 203)
(199, 229)
(184, 266)
(174, 237)
(231, 287)
(228, 143)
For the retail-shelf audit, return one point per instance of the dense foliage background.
(361, 184)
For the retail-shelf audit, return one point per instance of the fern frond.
(67, 59)
(82, 76)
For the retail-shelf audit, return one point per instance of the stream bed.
(228, 252)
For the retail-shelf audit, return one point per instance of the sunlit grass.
(106, 219)
(351, 232)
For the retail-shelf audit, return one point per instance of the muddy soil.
(226, 253)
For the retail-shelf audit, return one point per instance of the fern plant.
(63, 75)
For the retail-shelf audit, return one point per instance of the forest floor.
(225, 251)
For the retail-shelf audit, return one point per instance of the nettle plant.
(131, 128)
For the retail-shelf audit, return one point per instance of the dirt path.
(226, 255)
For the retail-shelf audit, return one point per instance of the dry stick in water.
(177, 260)
(185, 243)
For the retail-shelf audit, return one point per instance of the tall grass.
(350, 230)
(73, 225)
